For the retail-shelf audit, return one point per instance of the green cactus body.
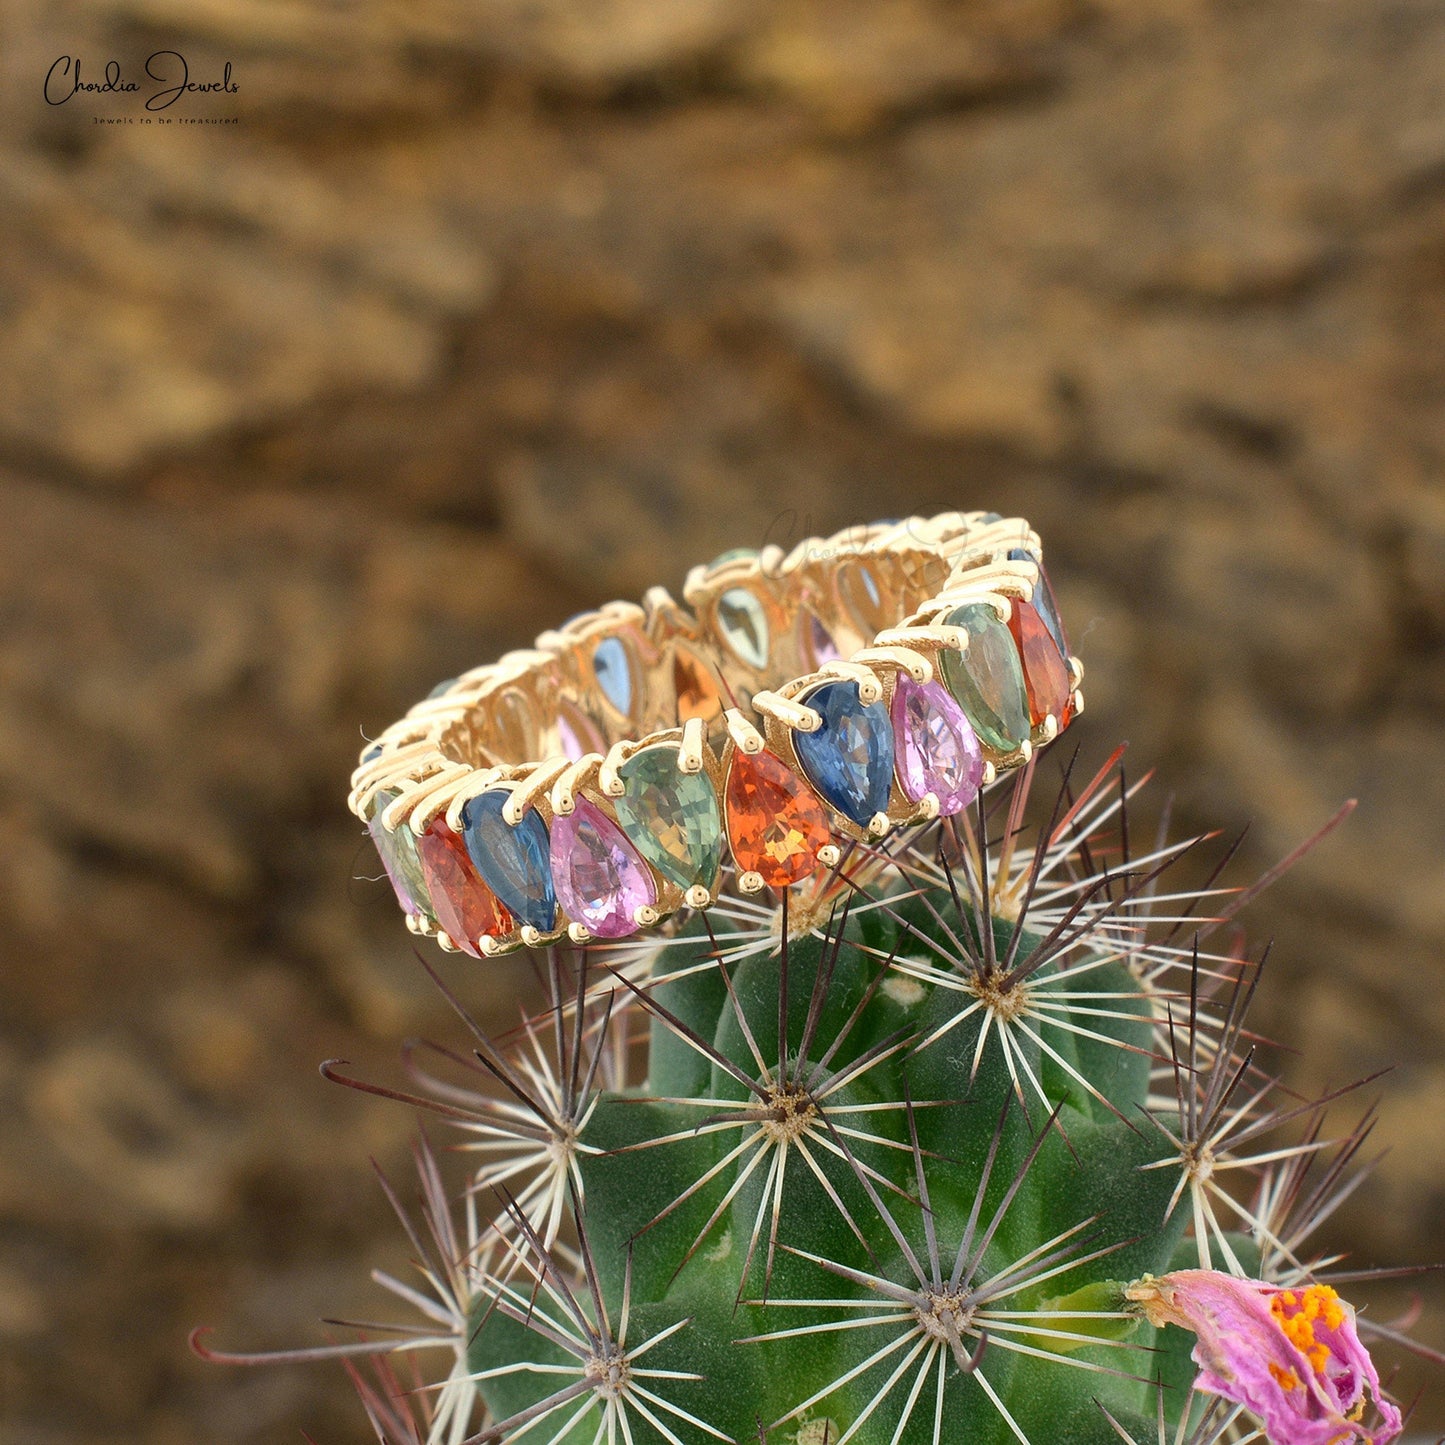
(891, 1158)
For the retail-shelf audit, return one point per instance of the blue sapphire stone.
(614, 673)
(515, 863)
(849, 760)
(1043, 600)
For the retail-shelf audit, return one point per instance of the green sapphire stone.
(671, 817)
(733, 554)
(744, 625)
(400, 856)
(988, 679)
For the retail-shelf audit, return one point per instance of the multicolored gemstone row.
(605, 872)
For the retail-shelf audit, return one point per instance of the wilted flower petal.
(1289, 1355)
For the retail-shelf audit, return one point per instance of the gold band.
(593, 784)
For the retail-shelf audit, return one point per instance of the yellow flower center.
(1286, 1379)
(1296, 1311)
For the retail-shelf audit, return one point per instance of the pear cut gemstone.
(849, 760)
(1045, 601)
(465, 907)
(697, 694)
(733, 554)
(614, 673)
(775, 825)
(1046, 674)
(938, 750)
(513, 862)
(601, 881)
(744, 625)
(399, 856)
(577, 733)
(671, 817)
(820, 642)
(567, 736)
(988, 679)
(858, 586)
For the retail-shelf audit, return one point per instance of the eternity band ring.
(592, 785)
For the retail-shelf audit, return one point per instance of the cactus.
(881, 1158)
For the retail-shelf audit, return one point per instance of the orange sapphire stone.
(697, 694)
(775, 824)
(464, 906)
(1046, 672)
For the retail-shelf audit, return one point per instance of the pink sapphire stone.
(600, 878)
(824, 648)
(938, 750)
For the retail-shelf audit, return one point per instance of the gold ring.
(592, 785)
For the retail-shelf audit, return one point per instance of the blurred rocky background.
(489, 310)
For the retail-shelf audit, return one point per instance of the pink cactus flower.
(1291, 1356)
